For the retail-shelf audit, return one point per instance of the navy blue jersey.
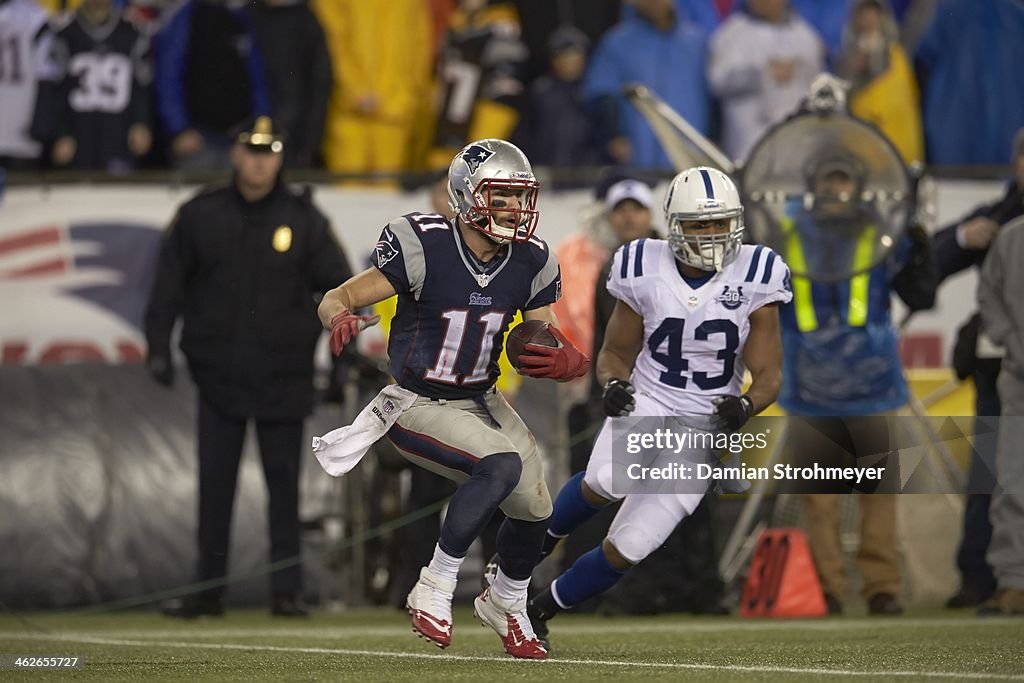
(453, 312)
(103, 88)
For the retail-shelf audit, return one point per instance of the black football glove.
(618, 398)
(731, 412)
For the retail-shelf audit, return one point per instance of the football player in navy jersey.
(459, 284)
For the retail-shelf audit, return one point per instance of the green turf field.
(378, 645)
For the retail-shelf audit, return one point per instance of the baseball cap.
(636, 190)
(568, 38)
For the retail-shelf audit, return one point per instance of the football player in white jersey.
(693, 312)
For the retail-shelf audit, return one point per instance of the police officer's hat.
(262, 136)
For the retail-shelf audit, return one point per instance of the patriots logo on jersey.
(476, 155)
(732, 299)
(385, 251)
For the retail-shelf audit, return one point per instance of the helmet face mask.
(491, 187)
(705, 219)
(707, 245)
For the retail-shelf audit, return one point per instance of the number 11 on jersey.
(451, 348)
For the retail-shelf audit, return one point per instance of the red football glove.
(347, 325)
(563, 363)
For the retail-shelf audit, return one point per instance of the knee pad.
(633, 542)
(600, 481)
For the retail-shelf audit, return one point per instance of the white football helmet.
(483, 167)
(704, 194)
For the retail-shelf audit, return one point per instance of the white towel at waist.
(341, 449)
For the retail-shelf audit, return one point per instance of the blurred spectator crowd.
(399, 86)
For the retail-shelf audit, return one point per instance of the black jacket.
(244, 276)
(949, 257)
(555, 129)
(298, 75)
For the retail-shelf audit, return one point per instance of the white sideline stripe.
(507, 660)
(613, 627)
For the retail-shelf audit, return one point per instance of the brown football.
(528, 332)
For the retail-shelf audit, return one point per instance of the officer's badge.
(282, 239)
(476, 155)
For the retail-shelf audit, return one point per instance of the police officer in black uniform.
(243, 266)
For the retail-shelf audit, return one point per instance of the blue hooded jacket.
(671, 63)
(828, 17)
(972, 80)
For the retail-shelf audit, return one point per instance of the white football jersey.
(694, 337)
(24, 54)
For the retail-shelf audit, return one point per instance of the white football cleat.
(430, 604)
(511, 624)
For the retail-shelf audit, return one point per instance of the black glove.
(965, 351)
(161, 369)
(917, 280)
(618, 398)
(731, 412)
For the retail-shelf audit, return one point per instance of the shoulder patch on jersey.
(732, 297)
(401, 238)
(384, 251)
